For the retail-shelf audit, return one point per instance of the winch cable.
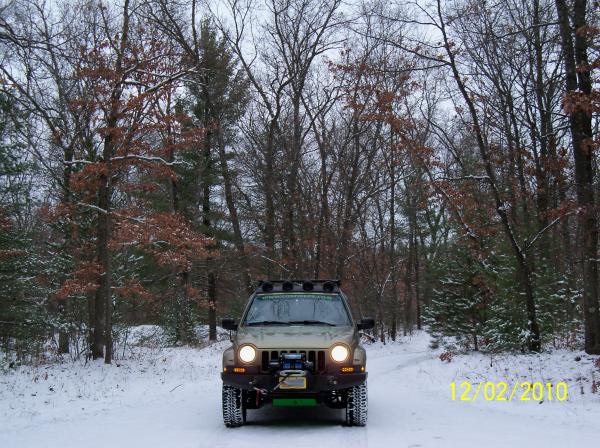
(266, 391)
(281, 380)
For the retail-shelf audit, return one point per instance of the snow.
(161, 397)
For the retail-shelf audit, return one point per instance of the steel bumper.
(314, 383)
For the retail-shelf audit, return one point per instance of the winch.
(291, 361)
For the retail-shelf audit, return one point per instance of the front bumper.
(314, 383)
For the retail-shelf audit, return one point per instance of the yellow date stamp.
(503, 391)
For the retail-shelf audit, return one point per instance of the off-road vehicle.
(295, 345)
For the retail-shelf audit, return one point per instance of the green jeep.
(296, 345)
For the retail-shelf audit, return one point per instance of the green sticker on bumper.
(294, 402)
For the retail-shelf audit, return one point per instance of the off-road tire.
(234, 407)
(357, 405)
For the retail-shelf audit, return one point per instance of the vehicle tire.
(357, 406)
(234, 407)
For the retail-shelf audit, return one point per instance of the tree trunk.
(269, 196)
(323, 215)
(238, 239)
(578, 80)
(63, 342)
(289, 243)
(184, 329)
(63, 336)
(392, 261)
(544, 111)
(103, 305)
(408, 280)
(348, 202)
(417, 285)
(206, 221)
(98, 326)
(212, 307)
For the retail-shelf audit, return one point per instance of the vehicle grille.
(317, 357)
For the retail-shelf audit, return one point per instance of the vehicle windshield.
(297, 309)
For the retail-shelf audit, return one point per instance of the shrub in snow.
(479, 305)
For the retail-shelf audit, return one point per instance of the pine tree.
(217, 97)
(459, 307)
(24, 321)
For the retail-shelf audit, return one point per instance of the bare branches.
(542, 231)
(130, 157)
(469, 177)
(149, 159)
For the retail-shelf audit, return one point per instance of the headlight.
(339, 353)
(247, 353)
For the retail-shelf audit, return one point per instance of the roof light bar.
(327, 286)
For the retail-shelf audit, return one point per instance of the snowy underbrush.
(145, 368)
(415, 342)
(129, 342)
(53, 392)
(136, 341)
(156, 336)
(433, 371)
(581, 372)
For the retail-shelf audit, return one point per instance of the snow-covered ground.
(171, 397)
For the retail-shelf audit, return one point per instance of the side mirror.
(229, 324)
(366, 324)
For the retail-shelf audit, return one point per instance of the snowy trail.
(409, 407)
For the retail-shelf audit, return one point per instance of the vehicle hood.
(294, 336)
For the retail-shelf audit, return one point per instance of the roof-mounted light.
(328, 286)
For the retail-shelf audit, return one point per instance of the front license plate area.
(292, 382)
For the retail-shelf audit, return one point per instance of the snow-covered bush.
(479, 305)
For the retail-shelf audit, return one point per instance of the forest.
(159, 157)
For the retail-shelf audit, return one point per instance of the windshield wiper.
(268, 322)
(311, 322)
